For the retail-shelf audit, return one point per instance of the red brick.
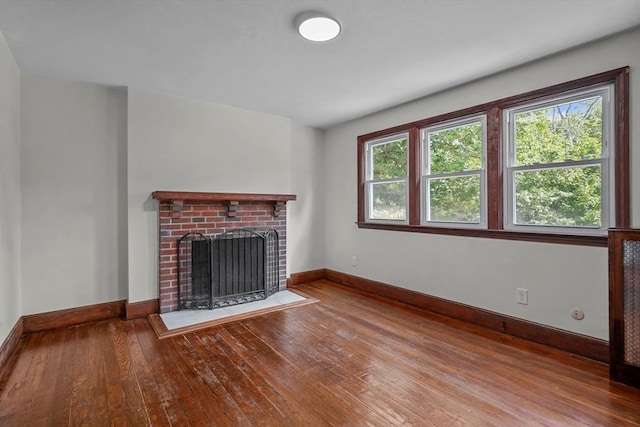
(171, 227)
(191, 226)
(165, 252)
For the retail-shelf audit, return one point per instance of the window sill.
(565, 239)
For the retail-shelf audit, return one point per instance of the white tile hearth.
(184, 318)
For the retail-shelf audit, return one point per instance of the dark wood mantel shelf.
(231, 200)
(188, 196)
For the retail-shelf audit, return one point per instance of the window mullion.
(493, 167)
(415, 171)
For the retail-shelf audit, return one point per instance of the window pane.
(390, 159)
(388, 200)
(563, 132)
(455, 199)
(559, 197)
(456, 149)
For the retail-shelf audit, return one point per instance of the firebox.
(231, 268)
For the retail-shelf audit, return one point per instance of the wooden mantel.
(231, 200)
(188, 196)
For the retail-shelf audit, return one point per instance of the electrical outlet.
(354, 261)
(522, 296)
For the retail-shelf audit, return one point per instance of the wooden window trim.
(493, 110)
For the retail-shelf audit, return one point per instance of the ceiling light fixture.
(317, 27)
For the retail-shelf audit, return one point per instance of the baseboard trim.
(572, 342)
(141, 309)
(307, 276)
(10, 345)
(73, 316)
(582, 345)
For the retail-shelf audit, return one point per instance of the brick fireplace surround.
(211, 214)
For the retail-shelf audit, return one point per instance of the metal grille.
(232, 268)
(194, 272)
(238, 267)
(272, 243)
(631, 300)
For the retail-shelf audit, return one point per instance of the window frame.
(620, 208)
(425, 175)
(370, 181)
(606, 91)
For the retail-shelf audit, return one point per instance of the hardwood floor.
(349, 360)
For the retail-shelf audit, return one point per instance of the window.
(550, 165)
(453, 178)
(557, 164)
(387, 172)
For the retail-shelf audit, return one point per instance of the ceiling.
(246, 53)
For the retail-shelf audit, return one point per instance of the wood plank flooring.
(349, 360)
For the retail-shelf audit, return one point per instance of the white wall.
(305, 225)
(10, 274)
(186, 145)
(482, 272)
(91, 158)
(73, 145)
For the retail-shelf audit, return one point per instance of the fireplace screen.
(231, 268)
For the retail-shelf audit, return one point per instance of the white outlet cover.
(522, 296)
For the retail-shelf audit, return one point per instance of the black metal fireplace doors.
(231, 268)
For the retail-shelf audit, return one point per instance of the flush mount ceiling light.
(317, 27)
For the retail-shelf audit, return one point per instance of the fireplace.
(205, 216)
